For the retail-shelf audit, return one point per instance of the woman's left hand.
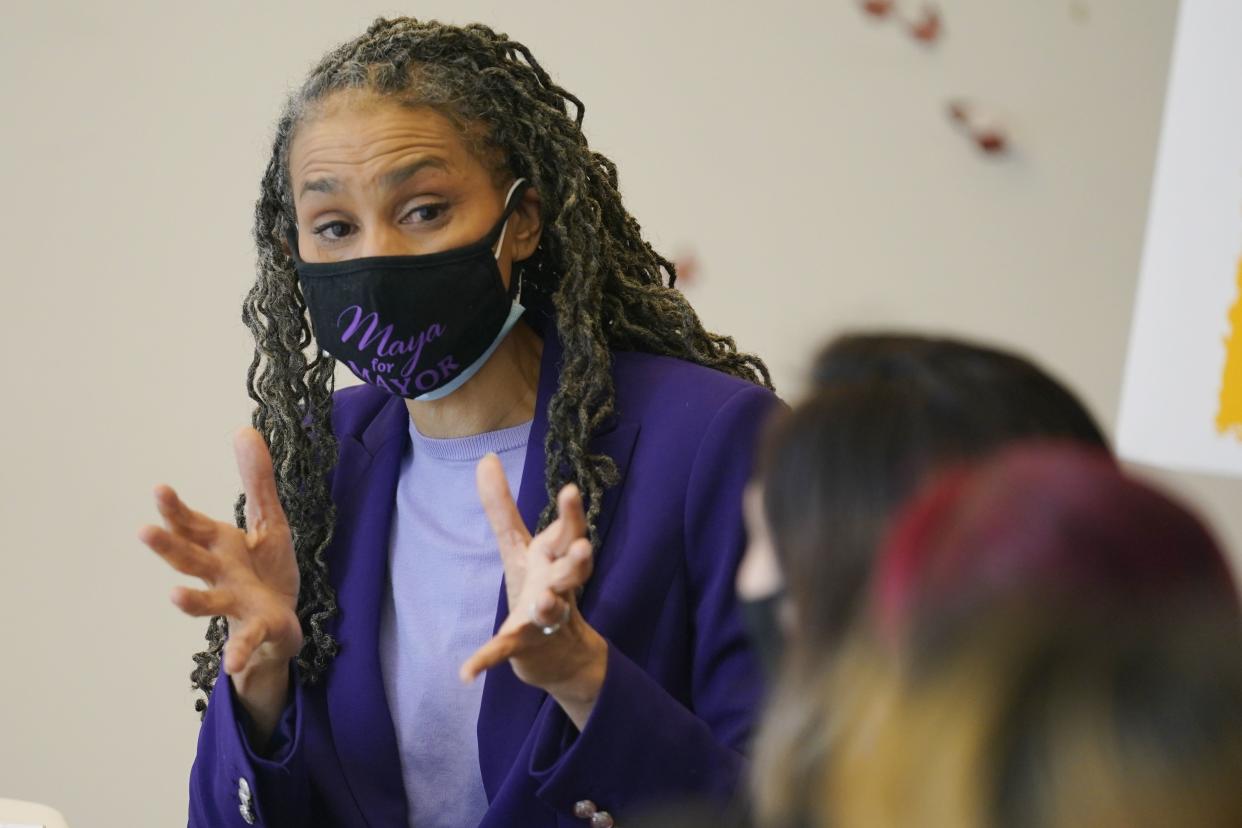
(545, 638)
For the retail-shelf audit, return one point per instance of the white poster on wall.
(1181, 404)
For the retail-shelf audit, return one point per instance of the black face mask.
(416, 326)
(762, 621)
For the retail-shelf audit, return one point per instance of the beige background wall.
(799, 149)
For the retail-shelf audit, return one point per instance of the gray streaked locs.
(605, 281)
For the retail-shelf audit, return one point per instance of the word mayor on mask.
(393, 364)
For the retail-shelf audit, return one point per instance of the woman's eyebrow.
(387, 181)
(319, 185)
(391, 179)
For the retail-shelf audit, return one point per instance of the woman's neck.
(500, 395)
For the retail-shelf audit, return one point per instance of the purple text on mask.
(386, 345)
(423, 381)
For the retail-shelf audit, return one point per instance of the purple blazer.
(682, 687)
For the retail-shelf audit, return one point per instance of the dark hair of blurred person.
(1057, 528)
(886, 412)
(1041, 720)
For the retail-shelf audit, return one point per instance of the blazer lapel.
(509, 705)
(365, 490)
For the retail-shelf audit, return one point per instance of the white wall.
(799, 149)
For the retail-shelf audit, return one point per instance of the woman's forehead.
(360, 134)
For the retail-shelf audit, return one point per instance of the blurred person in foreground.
(885, 412)
(1040, 719)
(944, 710)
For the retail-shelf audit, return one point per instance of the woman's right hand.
(251, 578)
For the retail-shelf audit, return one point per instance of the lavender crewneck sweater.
(445, 571)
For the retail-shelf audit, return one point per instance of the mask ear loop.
(500, 243)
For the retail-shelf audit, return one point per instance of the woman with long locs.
(433, 219)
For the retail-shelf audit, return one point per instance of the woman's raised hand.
(251, 576)
(547, 641)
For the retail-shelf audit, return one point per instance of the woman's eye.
(333, 230)
(424, 213)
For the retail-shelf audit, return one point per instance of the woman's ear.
(528, 225)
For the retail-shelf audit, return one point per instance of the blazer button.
(601, 819)
(245, 801)
(584, 809)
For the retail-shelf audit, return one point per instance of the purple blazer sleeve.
(277, 785)
(640, 743)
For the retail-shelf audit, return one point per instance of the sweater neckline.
(471, 447)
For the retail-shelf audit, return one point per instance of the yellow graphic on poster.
(1181, 398)
(1229, 419)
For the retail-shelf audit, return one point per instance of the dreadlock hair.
(604, 282)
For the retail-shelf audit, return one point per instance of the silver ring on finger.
(547, 629)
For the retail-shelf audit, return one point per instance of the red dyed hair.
(1044, 522)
